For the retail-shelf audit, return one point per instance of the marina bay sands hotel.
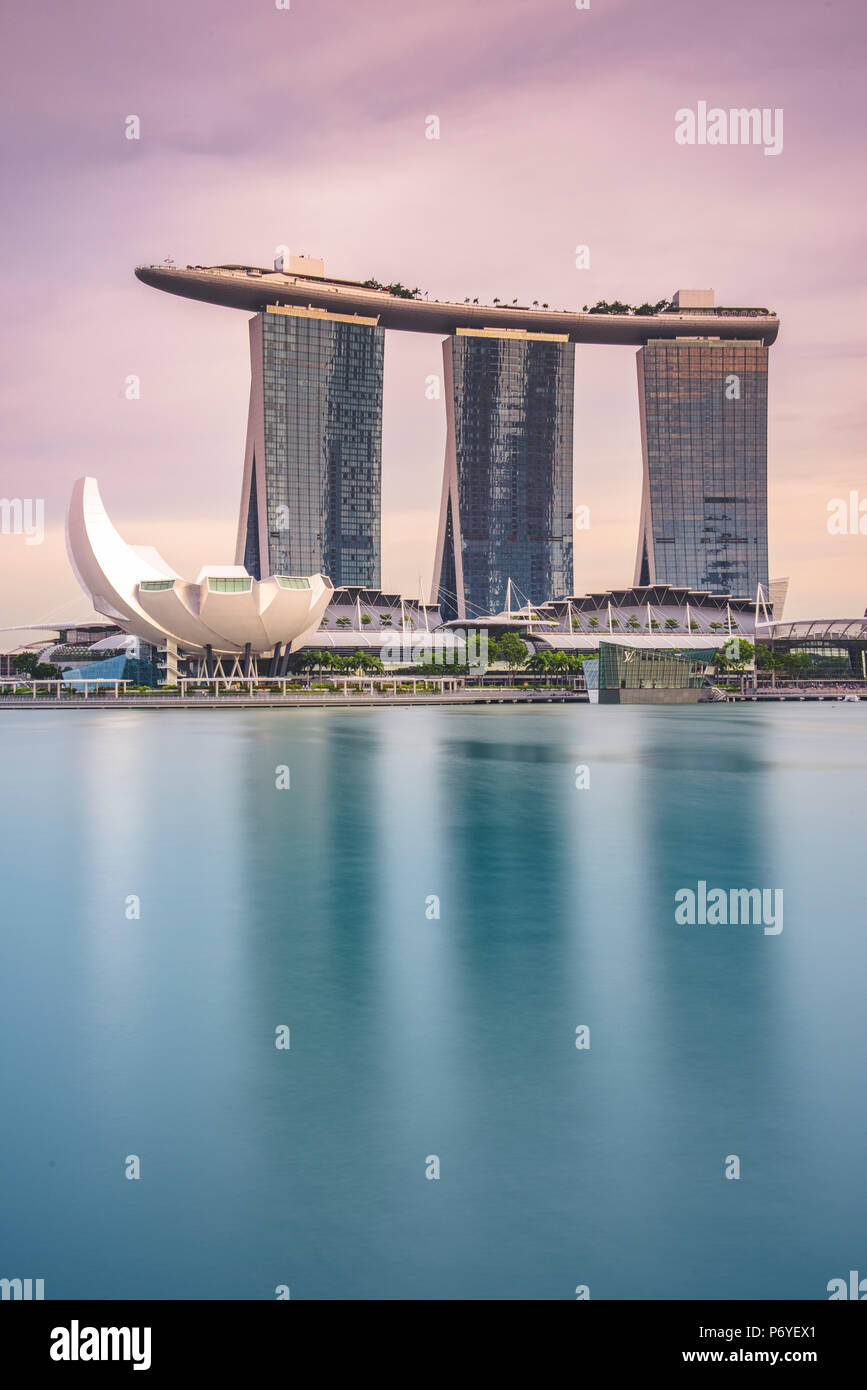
(311, 497)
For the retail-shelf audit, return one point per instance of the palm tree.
(309, 661)
(671, 624)
(540, 662)
(344, 622)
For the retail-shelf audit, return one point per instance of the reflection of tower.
(704, 510)
(507, 487)
(310, 499)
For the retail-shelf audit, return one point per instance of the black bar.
(264, 1335)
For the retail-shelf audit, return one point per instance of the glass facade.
(629, 668)
(322, 432)
(114, 668)
(508, 509)
(828, 660)
(705, 512)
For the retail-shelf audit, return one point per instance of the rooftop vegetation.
(396, 288)
(602, 306)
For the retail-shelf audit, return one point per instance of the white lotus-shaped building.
(224, 611)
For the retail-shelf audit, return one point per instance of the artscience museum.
(223, 612)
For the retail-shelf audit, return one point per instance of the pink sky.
(262, 126)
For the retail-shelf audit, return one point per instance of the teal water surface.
(416, 1035)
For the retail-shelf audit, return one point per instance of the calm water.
(413, 1036)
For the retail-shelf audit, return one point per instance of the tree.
(385, 620)
(25, 662)
(632, 622)
(790, 663)
(29, 665)
(671, 624)
(540, 663)
(512, 650)
(366, 620)
(799, 663)
(344, 622)
(321, 661)
(594, 623)
(740, 657)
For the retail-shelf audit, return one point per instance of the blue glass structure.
(311, 497)
(704, 516)
(507, 490)
(114, 668)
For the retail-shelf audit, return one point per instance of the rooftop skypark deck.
(253, 289)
